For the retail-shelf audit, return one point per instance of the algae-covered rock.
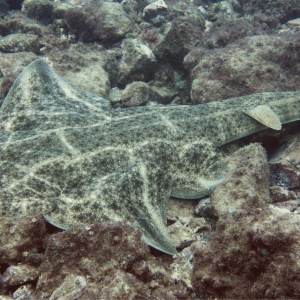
(251, 259)
(20, 42)
(282, 9)
(252, 65)
(41, 10)
(24, 292)
(103, 262)
(19, 274)
(3, 7)
(100, 21)
(184, 34)
(251, 254)
(163, 94)
(136, 93)
(154, 9)
(137, 62)
(246, 186)
(18, 236)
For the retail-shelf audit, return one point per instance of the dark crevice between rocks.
(3, 267)
(273, 140)
(51, 229)
(15, 4)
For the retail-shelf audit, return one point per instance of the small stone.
(23, 292)
(291, 205)
(115, 95)
(135, 93)
(70, 288)
(16, 275)
(282, 174)
(279, 194)
(294, 22)
(138, 61)
(185, 231)
(201, 205)
(155, 8)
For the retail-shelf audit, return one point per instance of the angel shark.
(66, 154)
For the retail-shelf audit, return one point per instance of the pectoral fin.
(265, 115)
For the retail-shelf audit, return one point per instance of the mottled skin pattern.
(64, 153)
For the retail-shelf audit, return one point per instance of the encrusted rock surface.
(19, 274)
(138, 61)
(103, 262)
(252, 253)
(20, 42)
(104, 21)
(246, 186)
(183, 35)
(19, 236)
(246, 67)
(136, 93)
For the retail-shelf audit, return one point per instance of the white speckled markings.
(66, 154)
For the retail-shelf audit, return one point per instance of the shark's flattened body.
(64, 153)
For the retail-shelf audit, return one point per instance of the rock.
(135, 93)
(279, 194)
(115, 95)
(251, 259)
(20, 235)
(90, 76)
(163, 94)
(184, 34)
(20, 42)
(282, 10)
(101, 21)
(283, 174)
(19, 274)
(182, 264)
(5, 297)
(184, 232)
(154, 9)
(254, 243)
(291, 205)
(251, 236)
(229, 30)
(24, 292)
(137, 62)
(294, 22)
(19, 23)
(179, 209)
(181, 236)
(245, 189)
(103, 261)
(4, 7)
(71, 288)
(217, 79)
(201, 205)
(41, 10)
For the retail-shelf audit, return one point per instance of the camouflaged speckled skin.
(64, 153)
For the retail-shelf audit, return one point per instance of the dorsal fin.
(265, 115)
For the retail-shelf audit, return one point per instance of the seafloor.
(241, 242)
